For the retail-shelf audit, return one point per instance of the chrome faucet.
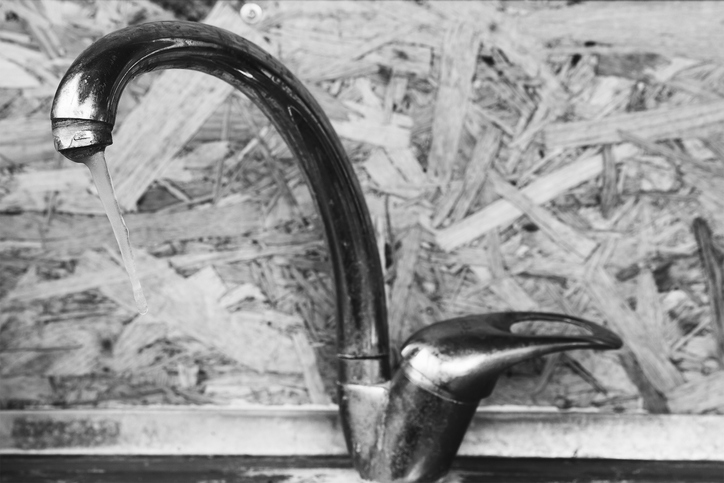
(407, 427)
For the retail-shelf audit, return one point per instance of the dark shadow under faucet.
(402, 428)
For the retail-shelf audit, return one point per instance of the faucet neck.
(84, 111)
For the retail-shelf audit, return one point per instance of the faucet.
(402, 428)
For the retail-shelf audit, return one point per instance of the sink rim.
(507, 431)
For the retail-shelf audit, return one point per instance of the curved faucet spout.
(84, 111)
(404, 429)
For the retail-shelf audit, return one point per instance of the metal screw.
(251, 13)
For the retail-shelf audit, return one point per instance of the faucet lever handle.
(463, 357)
(504, 321)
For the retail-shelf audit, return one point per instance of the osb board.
(506, 165)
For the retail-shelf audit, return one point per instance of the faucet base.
(422, 432)
(402, 432)
(360, 409)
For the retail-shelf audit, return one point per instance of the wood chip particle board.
(14, 76)
(25, 389)
(190, 308)
(175, 107)
(504, 286)
(654, 364)
(406, 162)
(711, 260)
(62, 348)
(651, 312)
(308, 361)
(565, 236)
(205, 155)
(403, 58)
(322, 41)
(71, 176)
(192, 260)
(352, 63)
(26, 140)
(698, 396)
(369, 127)
(609, 189)
(544, 189)
(404, 278)
(685, 29)
(33, 62)
(244, 291)
(654, 125)
(476, 172)
(513, 295)
(128, 353)
(459, 58)
(499, 31)
(29, 190)
(382, 172)
(70, 285)
(77, 233)
(397, 173)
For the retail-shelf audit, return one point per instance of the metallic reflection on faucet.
(407, 427)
